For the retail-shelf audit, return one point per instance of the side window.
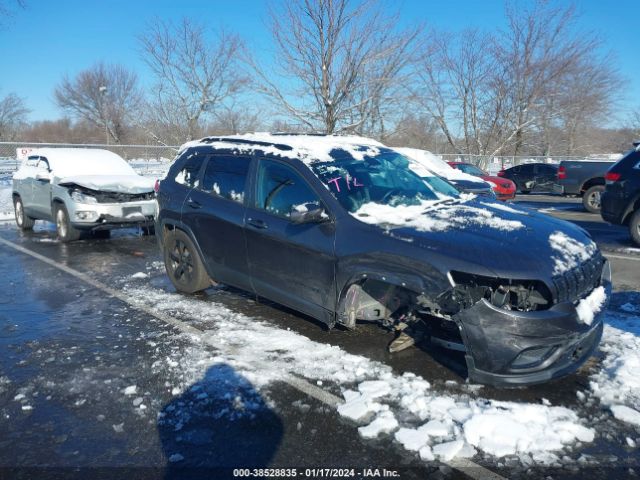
(281, 190)
(43, 164)
(526, 169)
(547, 170)
(226, 176)
(32, 161)
(188, 174)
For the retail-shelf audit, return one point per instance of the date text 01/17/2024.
(315, 473)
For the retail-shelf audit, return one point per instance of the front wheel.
(634, 227)
(66, 231)
(592, 198)
(183, 264)
(23, 222)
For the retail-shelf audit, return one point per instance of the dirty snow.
(570, 253)
(378, 401)
(428, 216)
(6, 202)
(617, 383)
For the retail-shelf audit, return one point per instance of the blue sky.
(49, 39)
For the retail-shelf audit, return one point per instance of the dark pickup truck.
(584, 178)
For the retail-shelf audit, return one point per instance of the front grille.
(114, 197)
(576, 283)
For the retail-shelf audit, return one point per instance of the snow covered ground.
(379, 402)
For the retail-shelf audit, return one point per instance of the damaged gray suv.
(341, 229)
(81, 189)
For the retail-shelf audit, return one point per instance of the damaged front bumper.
(115, 215)
(513, 348)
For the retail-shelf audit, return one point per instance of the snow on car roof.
(431, 162)
(308, 148)
(68, 162)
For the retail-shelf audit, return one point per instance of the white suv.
(81, 189)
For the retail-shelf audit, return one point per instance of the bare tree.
(336, 64)
(487, 91)
(13, 114)
(195, 75)
(105, 95)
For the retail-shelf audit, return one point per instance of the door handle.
(193, 204)
(256, 223)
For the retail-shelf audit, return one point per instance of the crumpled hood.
(112, 183)
(512, 242)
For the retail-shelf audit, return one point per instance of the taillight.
(501, 173)
(562, 173)
(156, 187)
(611, 177)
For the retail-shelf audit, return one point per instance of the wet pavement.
(88, 382)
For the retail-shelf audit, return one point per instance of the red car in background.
(504, 188)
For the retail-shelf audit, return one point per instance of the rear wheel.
(183, 264)
(66, 231)
(23, 222)
(634, 227)
(591, 198)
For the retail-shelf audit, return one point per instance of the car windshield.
(470, 169)
(383, 178)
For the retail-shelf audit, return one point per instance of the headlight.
(80, 197)
(520, 295)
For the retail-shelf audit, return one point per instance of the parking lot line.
(622, 257)
(466, 466)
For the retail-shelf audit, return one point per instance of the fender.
(176, 224)
(429, 284)
(630, 209)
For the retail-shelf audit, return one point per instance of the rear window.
(226, 176)
(188, 174)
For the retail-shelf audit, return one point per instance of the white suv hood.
(111, 183)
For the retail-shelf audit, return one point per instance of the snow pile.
(448, 426)
(112, 183)
(617, 383)
(307, 148)
(589, 307)
(428, 216)
(570, 252)
(6, 202)
(379, 401)
(68, 162)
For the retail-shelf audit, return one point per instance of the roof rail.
(246, 141)
(293, 134)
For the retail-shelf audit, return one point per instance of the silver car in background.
(82, 189)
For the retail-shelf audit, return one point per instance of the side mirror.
(43, 177)
(308, 213)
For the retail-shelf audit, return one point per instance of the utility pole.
(103, 96)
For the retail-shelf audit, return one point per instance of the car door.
(292, 264)
(545, 177)
(41, 191)
(214, 210)
(525, 178)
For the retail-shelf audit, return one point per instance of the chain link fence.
(145, 159)
(154, 159)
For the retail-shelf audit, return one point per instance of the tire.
(102, 234)
(66, 231)
(591, 198)
(634, 227)
(147, 231)
(23, 222)
(183, 264)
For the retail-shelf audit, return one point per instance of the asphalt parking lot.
(104, 371)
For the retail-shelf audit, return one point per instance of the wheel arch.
(168, 225)
(398, 282)
(592, 182)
